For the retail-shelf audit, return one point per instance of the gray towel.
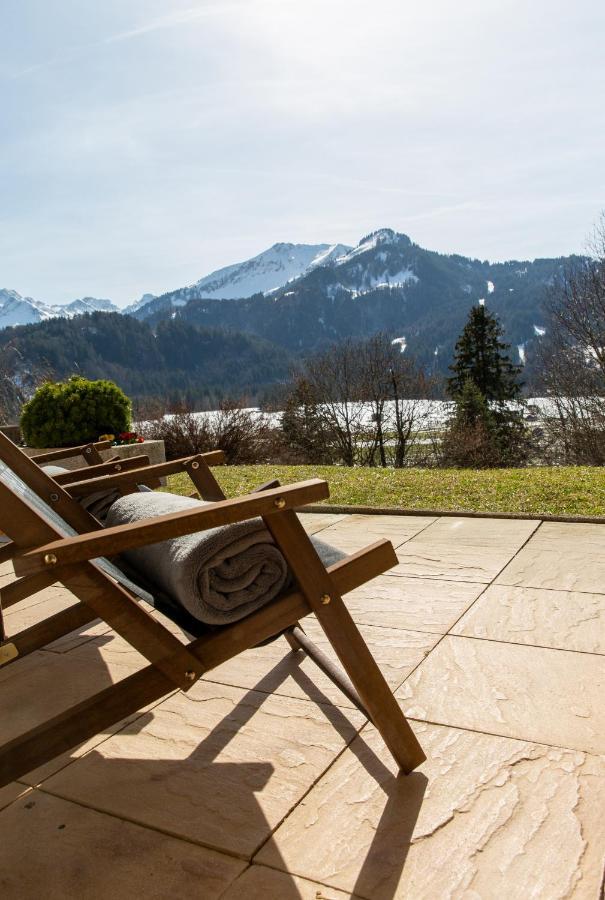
(97, 503)
(219, 575)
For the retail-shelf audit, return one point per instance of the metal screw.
(279, 503)
(190, 675)
(88, 450)
(50, 559)
(54, 498)
(195, 465)
(325, 599)
(118, 467)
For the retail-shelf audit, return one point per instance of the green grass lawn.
(574, 491)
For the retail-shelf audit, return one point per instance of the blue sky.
(145, 143)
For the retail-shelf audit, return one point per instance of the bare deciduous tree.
(358, 403)
(573, 358)
(18, 382)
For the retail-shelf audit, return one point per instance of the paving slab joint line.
(309, 878)
(139, 823)
(474, 637)
(595, 754)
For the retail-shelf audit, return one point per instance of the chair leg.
(359, 664)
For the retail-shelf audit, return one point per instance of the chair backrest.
(17, 486)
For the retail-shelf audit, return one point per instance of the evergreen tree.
(482, 356)
(484, 430)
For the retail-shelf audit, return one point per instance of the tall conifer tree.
(482, 356)
(484, 430)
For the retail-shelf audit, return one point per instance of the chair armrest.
(84, 450)
(115, 540)
(108, 468)
(149, 475)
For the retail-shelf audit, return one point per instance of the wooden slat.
(115, 540)
(90, 452)
(322, 594)
(107, 468)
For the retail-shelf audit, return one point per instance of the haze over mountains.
(287, 302)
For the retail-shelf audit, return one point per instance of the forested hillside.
(176, 361)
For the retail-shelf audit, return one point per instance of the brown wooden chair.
(58, 540)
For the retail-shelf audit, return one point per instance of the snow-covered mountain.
(266, 273)
(18, 310)
(380, 260)
(84, 305)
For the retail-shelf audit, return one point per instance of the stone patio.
(264, 782)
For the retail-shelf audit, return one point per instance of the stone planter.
(155, 450)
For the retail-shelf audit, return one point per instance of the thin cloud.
(173, 20)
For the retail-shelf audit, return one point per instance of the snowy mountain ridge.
(18, 310)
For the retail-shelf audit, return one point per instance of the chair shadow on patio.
(215, 803)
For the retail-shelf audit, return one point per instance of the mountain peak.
(384, 236)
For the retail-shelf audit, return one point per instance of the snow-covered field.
(431, 413)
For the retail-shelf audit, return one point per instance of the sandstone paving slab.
(538, 694)
(479, 532)
(451, 562)
(567, 535)
(280, 670)
(262, 883)
(483, 817)
(79, 852)
(218, 766)
(419, 604)
(567, 620)
(573, 567)
(473, 550)
(314, 522)
(356, 531)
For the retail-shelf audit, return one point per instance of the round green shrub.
(77, 411)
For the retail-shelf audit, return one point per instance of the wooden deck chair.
(60, 541)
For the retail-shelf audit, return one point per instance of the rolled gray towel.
(97, 503)
(220, 575)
